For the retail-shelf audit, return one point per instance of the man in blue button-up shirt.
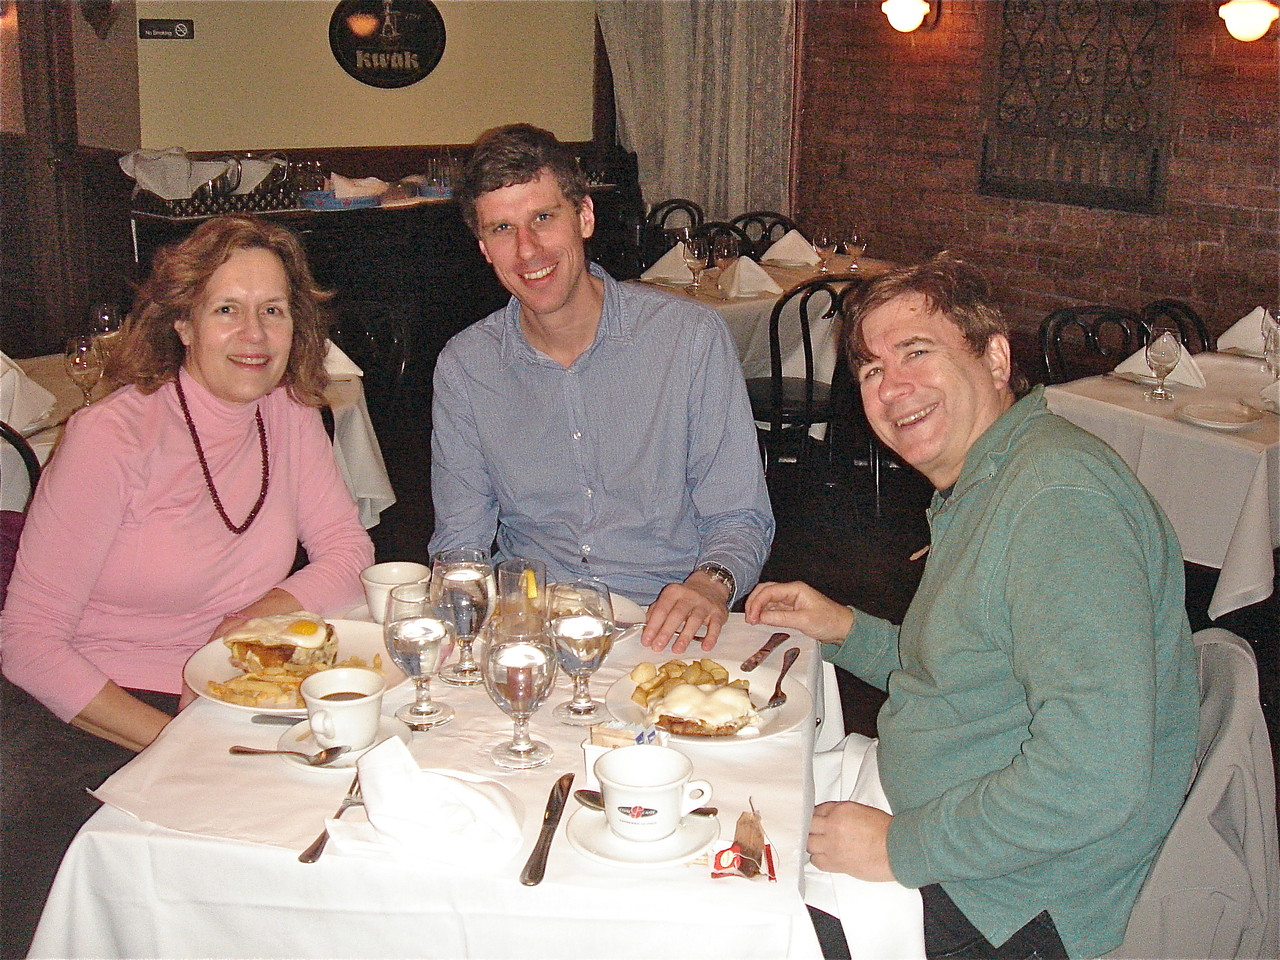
(601, 428)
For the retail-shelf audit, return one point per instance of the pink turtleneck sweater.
(125, 567)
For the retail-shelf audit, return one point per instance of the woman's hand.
(798, 606)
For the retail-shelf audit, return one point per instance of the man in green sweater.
(1038, 736)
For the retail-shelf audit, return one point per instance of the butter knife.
(533, 870)
(758, 657)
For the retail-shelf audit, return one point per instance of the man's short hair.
(517, 153)
(950, 286)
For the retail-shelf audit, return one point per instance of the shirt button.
(586, 548)
(590, 493)
(577, 434)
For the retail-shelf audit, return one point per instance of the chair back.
(660, 223)
(1083, 341)
(1214, 888)
(1182, 317)
(11, 521)
(764, 227)
(376, 337)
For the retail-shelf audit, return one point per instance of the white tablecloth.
(1220, 490)
(130, 888)
(355, 445)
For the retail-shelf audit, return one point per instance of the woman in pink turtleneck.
(171, 512)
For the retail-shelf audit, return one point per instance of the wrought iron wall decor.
(1074, 112)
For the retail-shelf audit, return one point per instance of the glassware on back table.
(695, 258)
(825, 244)
(462, 591)
(83, 364)
(104, 327)
(724, 250)
(1162, 356)
(1271, 342)
(855, 245)
(519, 667)
(418, 640)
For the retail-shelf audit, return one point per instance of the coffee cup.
(344, 706)
(647, 791)
(381, 577)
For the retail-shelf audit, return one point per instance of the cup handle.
(697, 793)
(322, 726)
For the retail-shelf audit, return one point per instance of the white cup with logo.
(647, 791)
(344, 706)
(381, 577)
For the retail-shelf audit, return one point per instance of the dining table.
(1217, 476)
(194, 852)
(355, 444)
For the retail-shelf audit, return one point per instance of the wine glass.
(83, 364)
(418, 639)
(724, 250)
(104, 322)
(462, 590)
(695, 258)
(519, 668)
(1162, 356)
(1271, 342)
(855, 245)
(825, 244)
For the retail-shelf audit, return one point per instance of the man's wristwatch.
(721, 574)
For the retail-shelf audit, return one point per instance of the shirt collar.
(614, 324)
(985, 456)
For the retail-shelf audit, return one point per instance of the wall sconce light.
(1248, 19)
(907, 15)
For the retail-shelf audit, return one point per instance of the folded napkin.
(254, 171)
(337, 364)
(446, 818)
(1245, 334)
(1187, 372)
(22, 400)
(744, 277)
(1271, 396)
(345, 188)
(791, 247)
(170, 174)
(670, 266)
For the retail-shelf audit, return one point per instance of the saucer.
(299, 737)
(588, 832)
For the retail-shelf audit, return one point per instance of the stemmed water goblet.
(83, 364)
(1271, 342)
(519, 668)
(418, 639)
(855, 245)
(724, 250)
(825, 244)
(1162, 356)
(695, 258)
(582, 630)
(462, 590)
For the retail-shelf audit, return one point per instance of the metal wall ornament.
(387, 43)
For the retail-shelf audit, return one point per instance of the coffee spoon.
(594, 800)
(327, 755)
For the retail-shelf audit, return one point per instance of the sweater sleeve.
(1079, 624)
(870, 651)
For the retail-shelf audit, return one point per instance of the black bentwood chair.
(658, 232)
(376, 337)
(1083, 341)
(764, 227)
(1181, 317)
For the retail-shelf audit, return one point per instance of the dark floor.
(828, 536)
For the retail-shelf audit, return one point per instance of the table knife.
(758, 657)
(531, 875)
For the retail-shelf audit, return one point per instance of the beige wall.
(107, 81)
(259, 74)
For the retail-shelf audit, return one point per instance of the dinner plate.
(588, 832)
(774, 722)
(300, 737)
(667, 282)
(356, 638)
(1220, 416)
(789, 263)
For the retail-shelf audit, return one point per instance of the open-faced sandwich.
(693, 699)
(294, 642)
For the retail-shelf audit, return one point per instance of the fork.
(788, 660)
(352, 799)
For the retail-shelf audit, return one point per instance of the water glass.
(462, 592)
(519, 667)
(418, 639)
(83, 364)
(1163, 353)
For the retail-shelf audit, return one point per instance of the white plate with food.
(589, 834)
(1220, 416)
(770, 723)
(356, 640)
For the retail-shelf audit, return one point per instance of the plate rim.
(1183, 412)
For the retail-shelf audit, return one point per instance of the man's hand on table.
(682, 609)
(797, 606)
(852, 838)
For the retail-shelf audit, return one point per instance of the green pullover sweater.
(1038, 737)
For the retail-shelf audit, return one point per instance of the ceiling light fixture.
(1248, 19)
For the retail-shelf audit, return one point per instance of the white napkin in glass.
(345, 188)
(670, 266)
(1245, 334)
(170, 174)
(428, 816)
(744, 277)
(338, 365)
(1187, 372)
(22, 400)
(791, 247)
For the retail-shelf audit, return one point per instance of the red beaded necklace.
(208, 477)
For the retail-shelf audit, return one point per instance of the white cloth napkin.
(22, 400)
(253, 172)
(1187, 372)
(1245, 334)
(792, 247)
(345, 188)
(170, 174)
(428, 816)
(1271, 396)
(670, 266)
(882, 921)
(744, 277)
(338, 365)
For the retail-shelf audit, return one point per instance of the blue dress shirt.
(633, 465)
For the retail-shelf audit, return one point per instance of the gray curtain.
(704, 92)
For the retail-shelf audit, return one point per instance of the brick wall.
(890, 137)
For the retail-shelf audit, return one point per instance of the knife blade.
(758, 657)
(533, 870)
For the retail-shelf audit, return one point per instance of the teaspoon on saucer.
(325, 756)
(594, 800)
